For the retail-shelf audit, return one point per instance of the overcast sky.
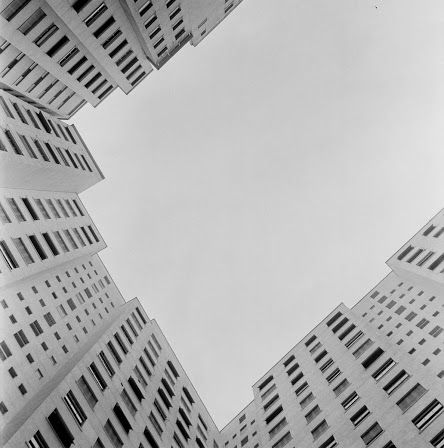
(258, 180)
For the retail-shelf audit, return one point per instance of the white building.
(60, 55)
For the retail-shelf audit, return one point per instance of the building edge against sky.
(62, 55)
(82, 367)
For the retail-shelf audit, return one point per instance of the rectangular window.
(23, 250)
(396, 382)
(135, 388)
(350, 401)
(37, 441)
(105, 361)
(313, 413)
(355, 338)
(273, 415)
(60, 428)
(150, 438)
(411, 397)
(10, 260)
(42, 208)
(383, 369)
(128, 402)
(50, 244)
(371, 434)
(4, 351)
(121, 417)
(362, 348)
(359, 416)
(307, 400)
(428, 414)
(98, 378)
(114, 352)
(91, 18)
(4, 218)
(282, 441)
(75, 408)
(341, 387)
(372, 358)
(120, 343)
(87, 391)
(333, 375)
(112, 434)
(21, 338)
(38, 247)
(301, 388)
(16, 209)
(319, 429)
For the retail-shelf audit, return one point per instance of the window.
(355, 338)
(87, 391)
(121, 417)
(289, 360)
(37, 441)
(276, 428)
(339, 325)
(436, 331)
(307, 400)
(362, 348)
(173, 369)
(128, 402)
(50, 244)
(114, 352)
(271, 402)
(135, 388)
(428, 414)
(283, 440)
(438, 440)
(36, 328)
(329, 443)
(396, 382)
(319, 429)
(112, 434)
(75, 408)
(383, 369)
(105, 361)
(23, 250)
(411, 397)
(346, 332)
(21, 338)
(7, 256)
(310, 340)
(320, 356)
(371, 434)
(333, 375)
(341, 387)
(156, 423)
(313, 413)
(273, 415)
(350, 401)
(95, 372)
(60, 428)
(150, 438)
(4, 351)
(360, 416)
(298, 377)
(38, 247)
(372, 358)
(89, 20)
(301, 388)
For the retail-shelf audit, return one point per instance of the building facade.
(80, 366)
(61, 55)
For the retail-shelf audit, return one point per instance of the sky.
(258, 180)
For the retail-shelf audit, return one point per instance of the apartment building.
(124, 387)
(61, 55)
(80, 366)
